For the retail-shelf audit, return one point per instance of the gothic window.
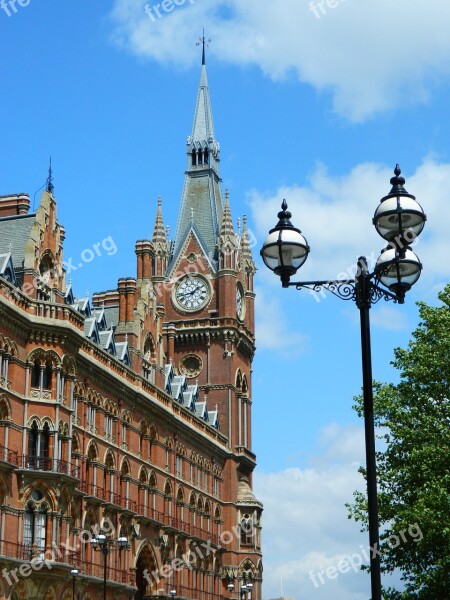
(33, 437)
(216, 486)
(47, 377)
(205, 156)
(45, 441)
(200, 157)
(194, 158)
(246, 528)
(35, 525)
(108, 426)
(36, 374)
(179, 468)
(91, 415)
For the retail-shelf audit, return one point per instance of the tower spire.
(201, 190)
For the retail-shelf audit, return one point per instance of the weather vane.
(205, 43)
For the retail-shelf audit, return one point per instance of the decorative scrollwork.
(377, 294)
(345, 289)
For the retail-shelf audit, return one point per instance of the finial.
(50, 187)
(10, 247)
(239, 225)
(204, 43)
(167, 231)
(398, 181)
(126, 338)
(217, 407)
(159, 201)
(70, 280)
(192, 214)
(245, 221)
(227, 195)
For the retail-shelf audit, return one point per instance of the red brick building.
(130, 413)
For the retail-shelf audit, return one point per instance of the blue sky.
(314, 103)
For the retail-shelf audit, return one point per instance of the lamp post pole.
(74, 572)
(399, 219)
(364, 304)
(101, 541)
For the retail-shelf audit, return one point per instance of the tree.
(414, 465)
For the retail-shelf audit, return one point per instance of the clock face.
(192, 293)
(240, 306)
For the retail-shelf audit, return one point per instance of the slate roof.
(14, 234)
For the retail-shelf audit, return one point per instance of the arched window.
(45, 442)
(194, 158)
(47, 376)
(33, 440)
(247, 530)
(200, 157)
(35, 524)
(36, 374)
(205, 156)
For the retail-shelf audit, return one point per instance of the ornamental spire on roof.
(246, 251)
(203, 126)
(159, 233)
(226, 228)
(201, 191)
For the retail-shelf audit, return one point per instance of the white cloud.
(305, 520)
(335, 213)
(366, 54)
(272, 330)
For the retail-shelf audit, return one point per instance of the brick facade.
(128, 413)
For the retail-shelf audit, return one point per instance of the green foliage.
(414, 467)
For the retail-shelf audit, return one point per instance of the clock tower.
(204, 280)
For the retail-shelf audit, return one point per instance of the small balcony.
(48, 465)
(8, 458)
(96, 492)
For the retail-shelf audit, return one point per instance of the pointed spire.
(159, 233)
(246, 251)
(226, 229)
(201, 189)
(49, 185)
(203, 127)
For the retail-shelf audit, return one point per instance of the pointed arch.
(244, 385)
(145, 563)
(238, 380)
(92, 452)
(5, 408)
(143, 476)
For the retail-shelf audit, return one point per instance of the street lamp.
(74, 572)
(399, 219)
(173, 593)
(101, 542)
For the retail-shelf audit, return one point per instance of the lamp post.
(100, 541)
(399, 219)
(74, 573)
(173, 592)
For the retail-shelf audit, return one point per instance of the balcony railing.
(9, 456)
(112, 574)
(150, 513)
(193, 530)
(56, 553)
(55, 465)
(96, 491)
